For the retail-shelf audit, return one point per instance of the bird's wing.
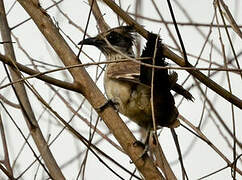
(130, 71)
(124, 71)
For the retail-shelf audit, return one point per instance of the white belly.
(133, 100)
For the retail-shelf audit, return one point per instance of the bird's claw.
(109, 102)
(145, 150)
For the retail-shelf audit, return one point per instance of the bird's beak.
(92, 41)
(88, 41)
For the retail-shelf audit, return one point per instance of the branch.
(39, 75)
(21, 95)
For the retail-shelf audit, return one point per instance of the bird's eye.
(112, 37)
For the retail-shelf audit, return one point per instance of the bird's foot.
(109, 102)
(145, 150)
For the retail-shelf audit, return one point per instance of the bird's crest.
(122, 36)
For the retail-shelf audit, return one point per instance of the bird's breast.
(117, 91)
(133, 100)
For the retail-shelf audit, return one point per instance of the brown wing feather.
(128, 71)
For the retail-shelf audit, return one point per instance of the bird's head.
(114, 40)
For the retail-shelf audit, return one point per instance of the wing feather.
(126, 71)
(130, 71)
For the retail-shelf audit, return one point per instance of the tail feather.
(180, 90)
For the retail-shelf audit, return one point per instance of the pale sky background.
(200, 160)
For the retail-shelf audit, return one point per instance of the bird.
(128, 84)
